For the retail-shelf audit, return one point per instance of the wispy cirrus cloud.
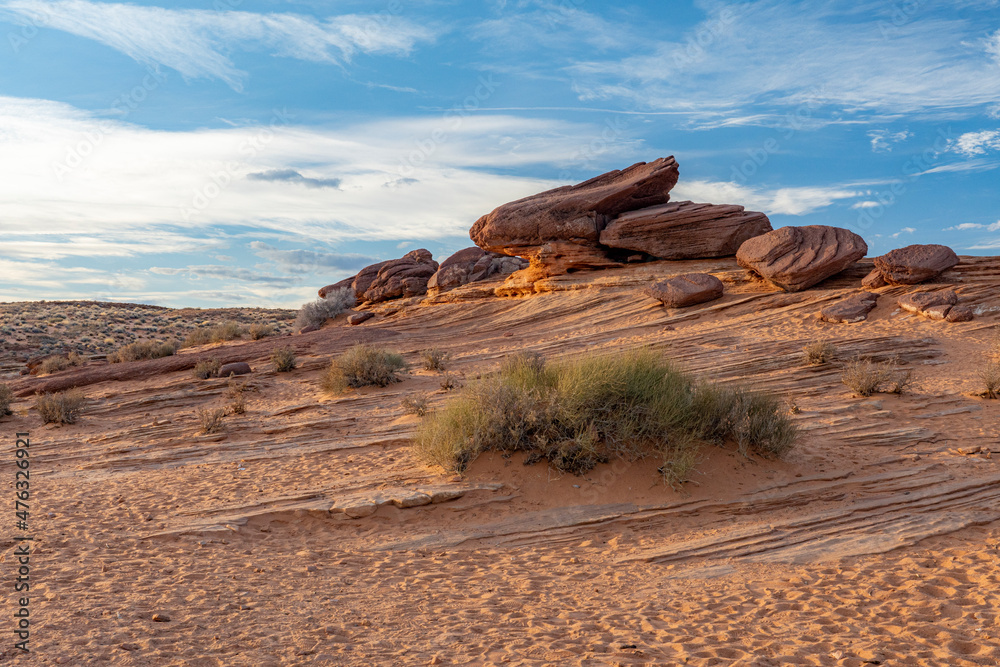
(771, 53)
(198, 43)
(308, 261)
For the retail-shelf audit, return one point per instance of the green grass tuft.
(585, 411)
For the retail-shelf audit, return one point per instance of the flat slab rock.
(685, 230)
(935, 305)
(796, 258)
(362, 505)
(688, 289)
(915, 263)
(358, 318)
(854, 308)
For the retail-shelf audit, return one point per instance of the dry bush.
(220, 333)
(819, 352)
(144, 349)
(211, 420)
(284, 360)
(435, 359)
(447, 382)
(989, 375)
(236, 391)
(60, 408)
(259, 330)
(60, 363)
(415, 406)
(6, 398)
(315, 313)
(866, 377)
(579, 413)
(208, 368)
(361, 366)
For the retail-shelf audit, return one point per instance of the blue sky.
(232, 152)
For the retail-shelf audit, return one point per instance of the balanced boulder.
(685, 230)
(560, 228)
(796, 258)
(603, 222)
(471, 265)
(915, 263)
(365, 278)
(854, 308)
(346, 283)
(688, 289)
(402, 277)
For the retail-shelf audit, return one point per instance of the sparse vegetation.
(208, 368)
(362, 365)
(435, 359)
(819, 352)
(315, 313)
(989, 375)
(866, 377)
(236, 391)
(415, 405)
(582, 412)
(60, 363)
(6, 398)
(260, 330)
(219, 333)
(447, 382)
(60, 408)
(145, 349)
(211, 420)
(284, 360)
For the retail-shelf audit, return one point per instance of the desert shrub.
(220, 333)
(360, 366)
(60, 363)
(6, 398)
(144, 349)
(818, 352)
(211, 420)
(435, 359)
(447, 382)
(315, 313)
(208, 368)
(989, 375)
(284, 360)
(259, 330)
(236, 391)
(866, 377)
(415, 405)
(60, 408)
(579, 413)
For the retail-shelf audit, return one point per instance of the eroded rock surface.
(796, 258)
(688, 289)
(850, 310)
(915, 263)
(403, 277)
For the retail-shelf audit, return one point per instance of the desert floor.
(875, 541)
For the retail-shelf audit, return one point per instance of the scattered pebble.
(161, 618)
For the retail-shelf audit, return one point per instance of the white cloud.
(807, 55)
(995, 227)
(965, 226)
(976, 143)
(134, 190)
(977, 164)
(882, 140)
(788, 201)
(904, 230)
(865, 204)
(197, 43)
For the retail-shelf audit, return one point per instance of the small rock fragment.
(358, 318)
